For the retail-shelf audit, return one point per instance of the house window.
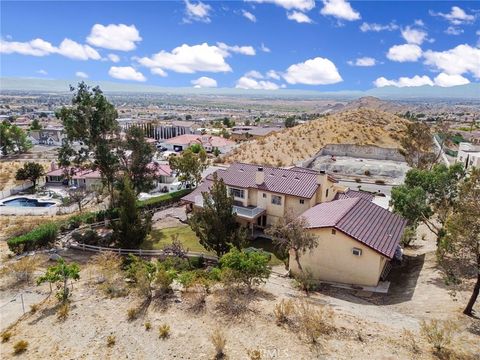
(302, 201)
(334, 231)
(326, 193)
(276, 200)
(238, 193)
(357, 251)
(264, 195)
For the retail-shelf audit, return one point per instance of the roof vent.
(260, 168)
(284, 176)
(296, 178)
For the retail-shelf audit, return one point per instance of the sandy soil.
(288, 147)
(367, 325)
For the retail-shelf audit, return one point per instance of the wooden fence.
(138, 252)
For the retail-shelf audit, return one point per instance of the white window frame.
(356, 251)
(240, 191)
(302, 201)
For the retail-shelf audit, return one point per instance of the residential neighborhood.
(258, 180)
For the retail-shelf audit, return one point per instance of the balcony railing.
(246, 212)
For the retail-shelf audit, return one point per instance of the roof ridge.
(354, 202)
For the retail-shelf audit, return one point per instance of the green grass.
(267, 245)
(160, 237)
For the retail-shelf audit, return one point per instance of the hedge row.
(45, 234)
(41, 236)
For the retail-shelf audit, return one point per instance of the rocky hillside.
(373, 103)
(361, 127)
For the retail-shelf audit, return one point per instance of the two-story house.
(264, 194)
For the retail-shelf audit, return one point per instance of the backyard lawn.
(160, 237)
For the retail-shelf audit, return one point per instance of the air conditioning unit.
(357, 251)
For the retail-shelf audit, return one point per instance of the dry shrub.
(148, 326)
(109, 276)
(62, 312)
(438, 334)
(254, 354)
(233, 302)
(111, 340)
(314, 322)
(219, 342)
(20, 347)
(6, 335)
(283, 311)
(132, 314)
(164, 331)
(22, 271)
(410, 341)
(34, 308)
(197, 301)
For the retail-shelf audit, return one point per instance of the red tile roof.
(362, 220)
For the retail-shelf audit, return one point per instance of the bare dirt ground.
(366, 325)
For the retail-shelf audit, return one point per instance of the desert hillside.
(361, 127)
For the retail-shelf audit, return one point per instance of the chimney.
(259, 176)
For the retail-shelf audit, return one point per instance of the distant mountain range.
(469, 91)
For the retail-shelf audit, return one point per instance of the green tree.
(289, 233)
(132, 227)
(35, 125)
(215, 223)
(417, 145)
(195, 148)
(13, 139)
(189, 166)
(136, 155)
(249, 268)
(92, 120)
(290, 122)
(61, 273)
(30, 171)
(459, 250)
(428, 196)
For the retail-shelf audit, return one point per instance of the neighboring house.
(357, 240)
(89, 179)
(208, 142)
(251, 132)
(468, 155)
(166, 179)
(264, 194)
(47, 136)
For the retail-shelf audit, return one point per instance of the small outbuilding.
(357, 240)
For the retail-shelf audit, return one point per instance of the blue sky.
(259, 44)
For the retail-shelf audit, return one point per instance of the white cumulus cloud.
(249, 15)
(114, 37)
(363, 62)
(189, 59)
(414, 36)
(340, 9)
(81, 74)
(405, 52)
(446, 80)
(264, 48)
(404, 81)
(272, 74)
(317, 71)
(254, 74)
(40, 47)
(299, 17)
(246, 82)
(456, 16)
(301, 5)
(452, 30)
(365, 27)
(204, 82)
(197, 12)
(113, 58)
(126, 73)
(244, 50)
(457, 61)
(42, 72)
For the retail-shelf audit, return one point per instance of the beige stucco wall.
(332, 260)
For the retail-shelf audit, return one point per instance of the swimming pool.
(26, 202)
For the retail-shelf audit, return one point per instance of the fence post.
(23, 303)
